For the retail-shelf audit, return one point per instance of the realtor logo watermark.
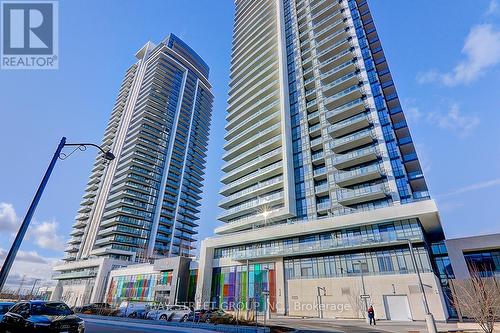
(29, 33)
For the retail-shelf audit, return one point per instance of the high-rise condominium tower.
(321, 178)
(145, 203)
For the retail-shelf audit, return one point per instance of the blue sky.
(445, 59)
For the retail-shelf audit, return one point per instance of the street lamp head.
(109, 156)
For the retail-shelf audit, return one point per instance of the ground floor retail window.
(387, 261)
(139, 288)
(232, 286)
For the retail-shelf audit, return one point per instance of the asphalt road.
(108, 326)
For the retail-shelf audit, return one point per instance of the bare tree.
(356, 302)
(477, 298)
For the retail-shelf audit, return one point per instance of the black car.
(41, 316)
(4, 308)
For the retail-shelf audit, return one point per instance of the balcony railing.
(354, 155)
(366, 193)
(361, 174)
(323, 206)
(251, 189)
(324, 245)
(252, 204)
(350, 140)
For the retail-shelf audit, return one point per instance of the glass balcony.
(421, 195)
(320, 172)
(316, 142)
(359, 175)
(344, 96)
(323, 206)
(336, 60)
(251, 153)
(250, 205)
(317, 155)
(311, 104)
(342, 82)
(76, 232)
(317, 34)
(71, 249)
(254, 190)
(323, 188)
(356, 157)
(363, 194)
(269, 157)
(315, 129)
(82, 216)
(337, 45)
(75, 240)
(347, 110)
(353, 141)
(329, 17)
(331, 39)
(323, 245)
(249, 131)
(75, 275)
(236, 125)
(264, 134)
(350, 125)
(313, 115)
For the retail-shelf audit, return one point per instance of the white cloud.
(455, 121)
(413, 114)
(481, 52)
(492, 8)
(9, 222)
(473, 187)
(28, 266)
(25, 256)
(44, 234)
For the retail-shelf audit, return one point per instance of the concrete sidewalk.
(356, 326)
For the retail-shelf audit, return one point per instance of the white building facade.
(322, 185)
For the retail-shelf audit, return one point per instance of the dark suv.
(41, 316)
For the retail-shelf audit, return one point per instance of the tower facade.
(321, 178)
(144, 204)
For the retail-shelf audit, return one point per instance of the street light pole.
(9, 260)
(429, 318)
(320, 301)
(364, 289)
(11, 256)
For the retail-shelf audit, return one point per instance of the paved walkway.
(356, 326)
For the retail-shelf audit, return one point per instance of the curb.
(203, 326)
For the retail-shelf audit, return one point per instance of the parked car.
(139, 313)
(195, 316)
(218, 316)
(41, 316)
(133, 310)
(181, 313)
(168, 312)
(4, 307)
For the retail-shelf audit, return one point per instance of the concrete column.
(280, 286)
